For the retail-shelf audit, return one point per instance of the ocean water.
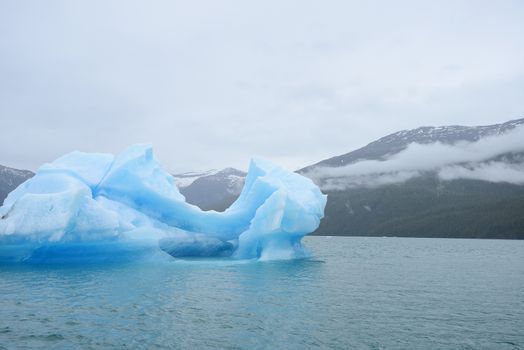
(354, 293)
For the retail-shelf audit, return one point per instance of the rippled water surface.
(360, 293)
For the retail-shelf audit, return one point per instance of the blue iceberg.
(93, 207)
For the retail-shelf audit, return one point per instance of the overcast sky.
(212, 83)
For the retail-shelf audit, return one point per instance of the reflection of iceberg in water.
(95, 207)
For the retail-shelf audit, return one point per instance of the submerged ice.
(96, 207)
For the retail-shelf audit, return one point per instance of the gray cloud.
(460, 160)
(212, 83)
(491, 171)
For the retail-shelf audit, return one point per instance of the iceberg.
(94, 207)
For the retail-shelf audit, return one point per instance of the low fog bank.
(462, 160)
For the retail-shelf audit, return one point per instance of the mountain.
(213, 189)
(10, 178)
(427, 205)
(186, 179)
(397, 142)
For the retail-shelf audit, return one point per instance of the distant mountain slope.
(427, 207)
(398, 141)
(186, 179)
(10, 178)
(215, 190)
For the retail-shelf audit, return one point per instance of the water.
(356, 293)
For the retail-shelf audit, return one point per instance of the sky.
(212, 83)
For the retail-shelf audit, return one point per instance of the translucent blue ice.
(86, 207)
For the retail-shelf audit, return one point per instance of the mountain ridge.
(214, 190)
(398, 141)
